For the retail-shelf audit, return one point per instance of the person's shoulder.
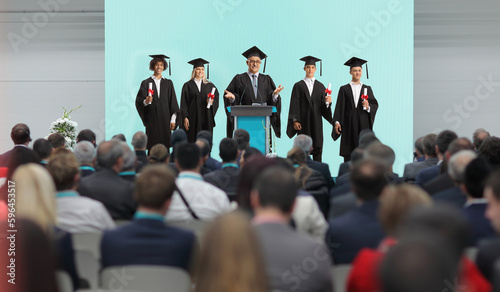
(180, 233)
(318, 83)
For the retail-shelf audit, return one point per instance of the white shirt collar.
(475, 201)
(309, 79)
(154, 78)
(250, 74)
(354, 84)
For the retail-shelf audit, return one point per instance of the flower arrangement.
(66, 127)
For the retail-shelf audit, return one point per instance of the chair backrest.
(145, 278)
(198, 227)
(89, 242)
(64, 281)
(471, 253)
(88, 266)
(340, 274)
(122, 222)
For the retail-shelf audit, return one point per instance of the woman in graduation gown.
(199, 102)
(157, 104)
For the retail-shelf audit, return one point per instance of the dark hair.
(188, 156)
(20, 134)
(493, 182)
(357, 154)
(364, 133)
(367, 139)
(42, 148)
(429, 145)
(120, 137)
(155, 60)
(86, 135)
(205, 135)
(476, 174)
(444, 139)
(419, 145)
(205, 148)
(478, 137)
(490, 149)
(178, 136)
(228, 149)
(247, 177)
(57, 140)
(251, 152)
(154, 186)
(368, 179)
(277, 188)
(242, 137)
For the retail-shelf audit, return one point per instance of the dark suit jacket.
(354, 230)
(5, 159)
(427, 174)
(344, 168)
(342, 204)
(323, 169)
(212, 164)
(441, 183)
(480, 225)
(142, 158)
(453, 196)
(225, 179)
(114, 192)
(487, 255)
(147, 242)
(412, 169)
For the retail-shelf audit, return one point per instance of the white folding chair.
(88, 242)
(145, 278)
(88, 267)
(198, 227)
(340, 274)
(64, 281)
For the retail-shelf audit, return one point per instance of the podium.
(255, 120)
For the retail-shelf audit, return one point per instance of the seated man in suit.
(130, 163)
(57, 140)
(295, 261)
(106, 185)
(489, 251)
(456, 170)
(360, 227)
(226, 178)
(443, 140)
(474, 209)
(194, 198)
(211, 164)
(411, 169)
(147, 240)
(21, 137)
(74, 212)
(85, 154)
(140, 142)
(305, 142)
(86, 135)
(43, 149)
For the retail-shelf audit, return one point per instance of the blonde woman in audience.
(231, 259)
(158, 154)
(395, 203)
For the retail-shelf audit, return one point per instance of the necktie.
(254, 81)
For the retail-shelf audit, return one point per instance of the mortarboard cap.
(357, 62)
(200, 63)
(163, 57)
(310, 60)
(255, 52)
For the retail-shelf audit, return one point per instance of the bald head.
(110, 155)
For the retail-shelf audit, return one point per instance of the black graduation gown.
(308, 110)
(241, 87)
(194, 107)
(156, 116)
(352, 120)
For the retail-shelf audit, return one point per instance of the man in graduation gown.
(354, 110)
(156, 104)
(309, 102)
(253, 88)
(195, 96)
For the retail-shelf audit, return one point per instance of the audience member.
(21, 137)
(129, 164)
(418, 154)
(243, 138)
(411, 169)
(204, 146)
(159, 154)
(194, 198)
(304, 142)
(147, 240)
(178, 136)
(119, 137)
(85, 155)
(248, 175)
(226, 178)
(211, 163)
(57, 140)
(86, 135)
(140, 142)
(106, 186)
(231, 259)
(248, 154)
(359, 228)
(43, 149)
(74, 212)
(478, 137)
(289, 255)
(490, 149)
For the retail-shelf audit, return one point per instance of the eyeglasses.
(255, 62)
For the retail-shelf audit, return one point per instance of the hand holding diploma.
(210, 99)
(149, 98)
(364, 97)
(328, 98)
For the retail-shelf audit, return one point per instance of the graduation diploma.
(365, 97)
(150, 90)
(328, 92)
(211, 96)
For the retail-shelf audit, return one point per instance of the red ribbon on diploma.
(151, 91)
(328, 92)
(364, 97)
(211, 96)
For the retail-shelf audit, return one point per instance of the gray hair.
(303, 142)
(108, 153)
(84, 152)
(139, 140)
(381, 153)
(457, 164)
(129, 158)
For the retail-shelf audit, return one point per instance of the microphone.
(241, 96)
(260, 95)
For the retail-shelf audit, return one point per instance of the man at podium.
(253, 88)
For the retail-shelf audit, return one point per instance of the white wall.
(51, 60)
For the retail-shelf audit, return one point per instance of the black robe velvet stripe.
(241, 87)
(194, 107)
(352, 120)
(308, 110)
(156, 116)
